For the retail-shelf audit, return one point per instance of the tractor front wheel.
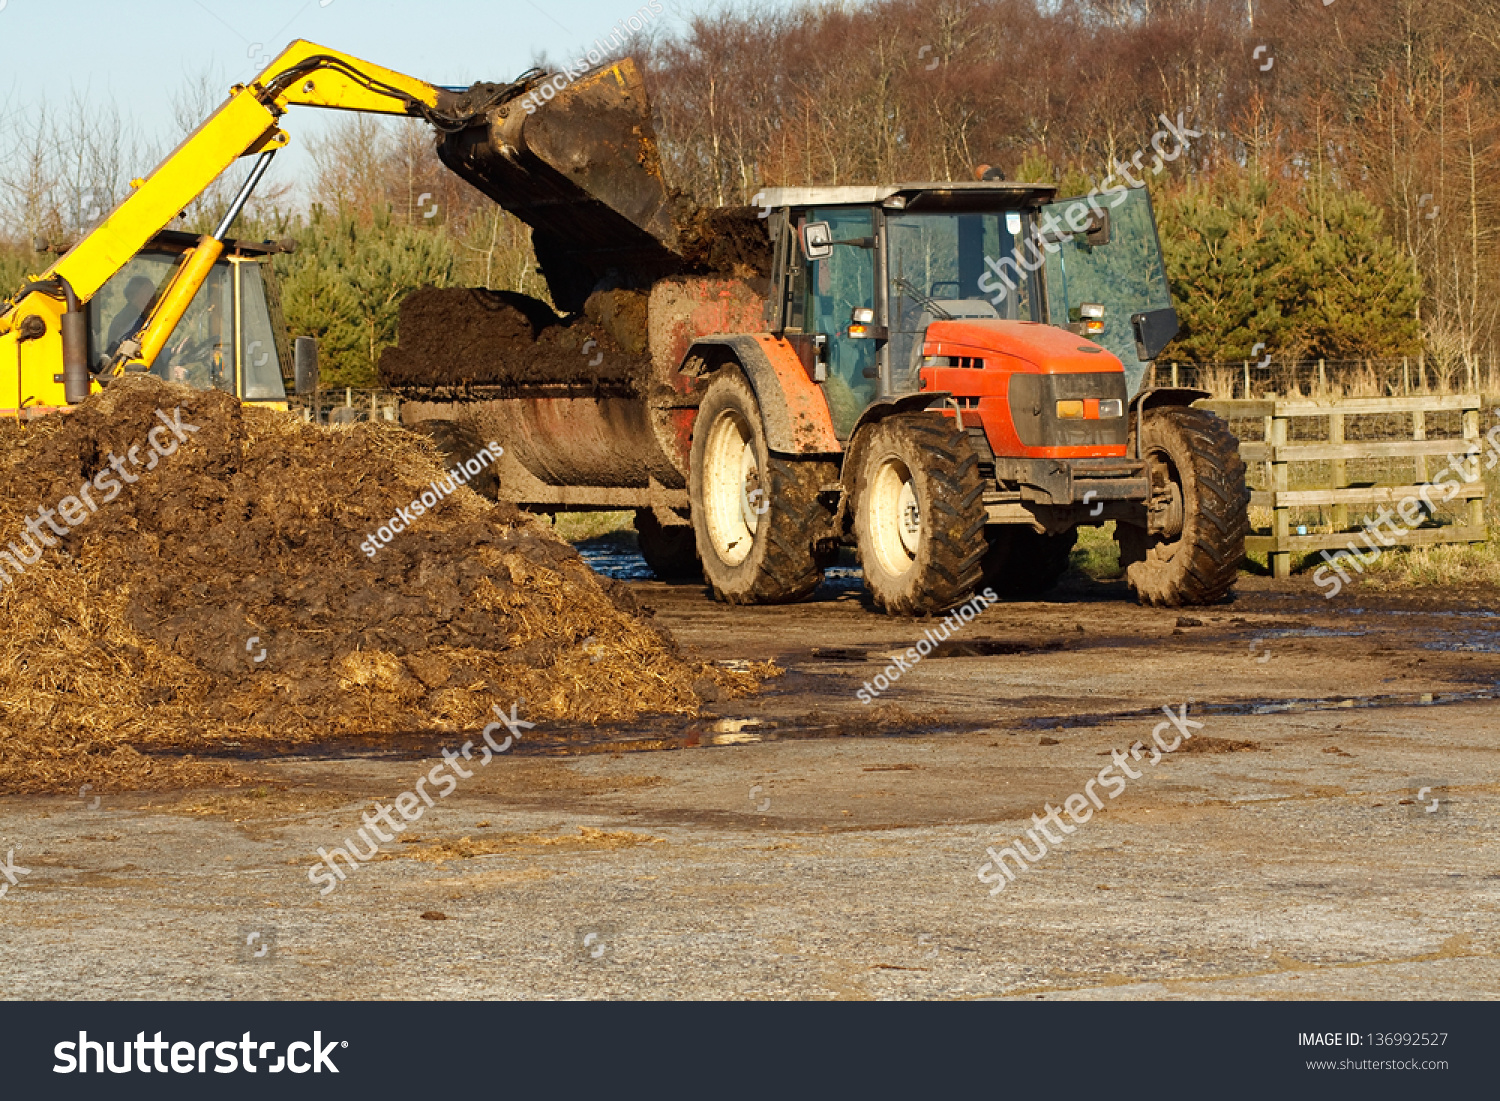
(1188, 548)
(919, 513)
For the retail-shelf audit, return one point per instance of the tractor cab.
(232, 337)
(952, 382)
(869, 277)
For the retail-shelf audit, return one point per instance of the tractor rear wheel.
(756, 516)
(919, 513)
(1188, 550)
(1021, 563)
(670, 550)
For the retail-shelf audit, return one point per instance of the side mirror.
(1096, 230)
(817, 241)
(305, 357)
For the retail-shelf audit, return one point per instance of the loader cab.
(864, 271)
(232, 337)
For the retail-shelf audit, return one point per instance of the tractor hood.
(1024, 346)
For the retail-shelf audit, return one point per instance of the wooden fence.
(1338, 493)
(346, 405)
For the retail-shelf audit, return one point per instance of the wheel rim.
(733, 499)
(1166, 512)
(895, 516)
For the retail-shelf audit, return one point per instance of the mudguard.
(792, 406)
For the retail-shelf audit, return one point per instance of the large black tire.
(757, 517)
(919, 513)
(670, 550)
(1020, 563)
(1189, 549)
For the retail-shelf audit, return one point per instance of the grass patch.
(1458, 565)
(576, 527)
(1097, 554)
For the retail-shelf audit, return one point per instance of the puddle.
(1482, 642)
(616, 561)
(1267, 707)
(1478, 613)
(623, 562)
(545, 741)
(1311, 632)
(552, 741)
(991, 647)
(839, 653)
(842, 579)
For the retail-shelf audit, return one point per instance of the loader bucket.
(582, 169)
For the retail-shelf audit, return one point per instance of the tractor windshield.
(937, 265)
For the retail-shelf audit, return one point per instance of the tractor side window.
(119, 309)
(259, 364)
(1125, 276)
(835, 288)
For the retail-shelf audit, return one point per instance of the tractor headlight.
(1092, 409)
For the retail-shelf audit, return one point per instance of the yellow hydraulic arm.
(35, 322)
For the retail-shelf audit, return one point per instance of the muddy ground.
(795, 846)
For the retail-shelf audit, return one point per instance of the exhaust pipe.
(75, 349)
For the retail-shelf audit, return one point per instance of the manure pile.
(129, 646)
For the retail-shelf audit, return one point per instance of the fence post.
(1270, 470)
(1422, 370)
(1247, 380)
(1471, 443)
(1281, 557)
(1322, 379)
(1405, 376)
(1419, 432)
(1340, 471)
(1174, 373)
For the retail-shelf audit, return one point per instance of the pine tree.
(1303, 272)
(345, 283)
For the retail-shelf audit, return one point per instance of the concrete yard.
(831, 853)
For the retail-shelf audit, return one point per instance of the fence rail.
(1278, 453)
(1386, 377)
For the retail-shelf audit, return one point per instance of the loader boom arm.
(303, 74)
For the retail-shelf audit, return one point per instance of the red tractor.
(952, 379)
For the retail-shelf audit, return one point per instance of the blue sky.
(142, 53)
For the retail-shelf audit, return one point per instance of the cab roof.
(961, 196)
